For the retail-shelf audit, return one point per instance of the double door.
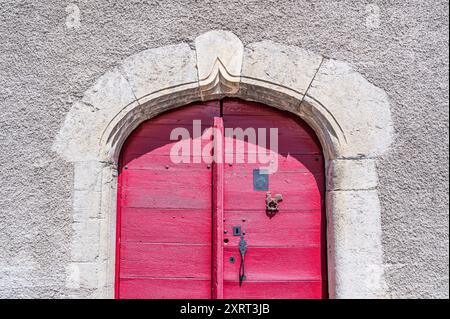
(223, 199)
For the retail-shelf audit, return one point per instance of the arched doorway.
(350, 116)
(193, 229)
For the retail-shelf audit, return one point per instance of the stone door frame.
(350, 116)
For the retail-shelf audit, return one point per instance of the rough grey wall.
(45, 65)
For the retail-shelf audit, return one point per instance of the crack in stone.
(312, 80)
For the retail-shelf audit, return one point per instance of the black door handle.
(242, 251)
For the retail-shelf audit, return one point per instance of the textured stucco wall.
(47, 60)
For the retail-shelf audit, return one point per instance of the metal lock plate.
(237, 231)
(260, 180)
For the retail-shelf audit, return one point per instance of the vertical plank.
(218, 182)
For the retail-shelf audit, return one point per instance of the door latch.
(272, 204)
(242, 251)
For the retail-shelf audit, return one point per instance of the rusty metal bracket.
(272, 204)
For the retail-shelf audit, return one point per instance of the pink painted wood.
(175, 221)
(286, 256)
(164, 212)
(275, 290)
(218, 181)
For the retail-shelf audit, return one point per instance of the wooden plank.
(151, 288)
(285, 229)
(291, 136)
(160, 143)
(167, 188)
(163, 226)
(150, 178)
(240, 177)
(165, 260)
(275, 290)
(163, 162)
(275, 263)
(232, 106)
(308, 199)
(272, 119)
(162, 132)
(300, 146)
(204, 111)
(218, 182)
(169, 196)
(306, 163)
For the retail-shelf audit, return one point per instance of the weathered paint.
(176, 220)
(164, 248)
(218, 225)
(288, 250)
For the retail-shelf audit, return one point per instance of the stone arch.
(350, 116)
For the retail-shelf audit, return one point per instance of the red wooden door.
(285, 255)
(176, 221)
(164, 220)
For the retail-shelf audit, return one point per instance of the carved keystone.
(219, 63)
